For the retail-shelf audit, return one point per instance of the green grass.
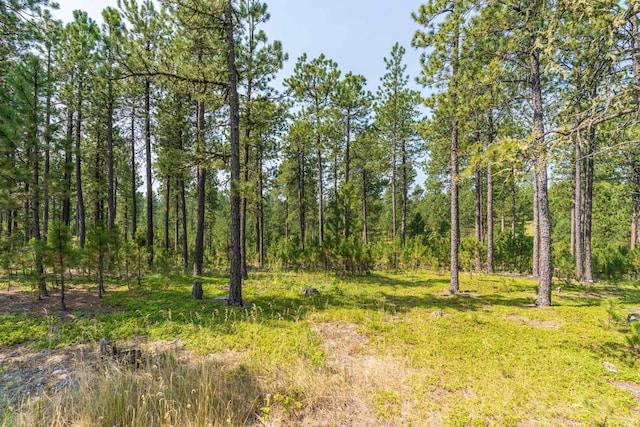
(418, 356)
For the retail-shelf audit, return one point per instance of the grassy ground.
(378, 350)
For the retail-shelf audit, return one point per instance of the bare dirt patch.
(18, 301)
(632, 388)
(543, 324)
(368, 389)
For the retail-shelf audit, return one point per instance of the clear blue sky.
(357, 34)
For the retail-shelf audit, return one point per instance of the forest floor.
(385, 349)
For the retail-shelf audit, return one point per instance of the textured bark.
(111, 196)
(47, 149)
(68, 166)
(198, 253)
(245, 169)
(545, 269)
(80, 217)
(535, 263)
(35, 201)
(260, 210)
(405, 193)
(147, 141)
(394, 190)
(185, 242)
(454, 285)
(478, 217)
(235, 285)
(490, 237)
(577, 212)
(134, 184)
(588, 207)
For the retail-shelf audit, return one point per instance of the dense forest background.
(157, 141)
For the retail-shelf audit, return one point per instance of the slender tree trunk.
(478, 217)
(490, 238)
(176, 212)
(198, 254)
(454, 285)
(635, 204)
(111, 196)
(514, 221)
(301, 210)
(167, 214)
(80, 199)
(365, 232)
(245, 169)
(544, 218)
(134, 184)
(147, 140)
(572, 243)
(635, 60)
(97, 176)
(63, 306)
(320, 193)
(577, 212)
(35, 202)
(185, 241)
(68, 167)
(47, 153)
(260, 213)
(405, 194)
(535, 267)
(235, 285)
(588, 207)
(393, 193)
(347, 172)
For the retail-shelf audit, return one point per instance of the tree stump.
(196, 291)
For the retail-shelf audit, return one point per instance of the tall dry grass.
(164, 390)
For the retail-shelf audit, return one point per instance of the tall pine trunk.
(68, 167)
(541, 194)
(454, 285)
(80, 217)
(198, 253)
(111, 195)
(588, 207)
(235, 285)
(478, 217)
(147, 140)
(185, 240)
(347, 172)
(301, 208)
(47, 142)
(405, 193)
(35, 202)
(577, 211)
(320, 191)
(134, 183)
(490, 238)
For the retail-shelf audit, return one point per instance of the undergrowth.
(383, 349)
